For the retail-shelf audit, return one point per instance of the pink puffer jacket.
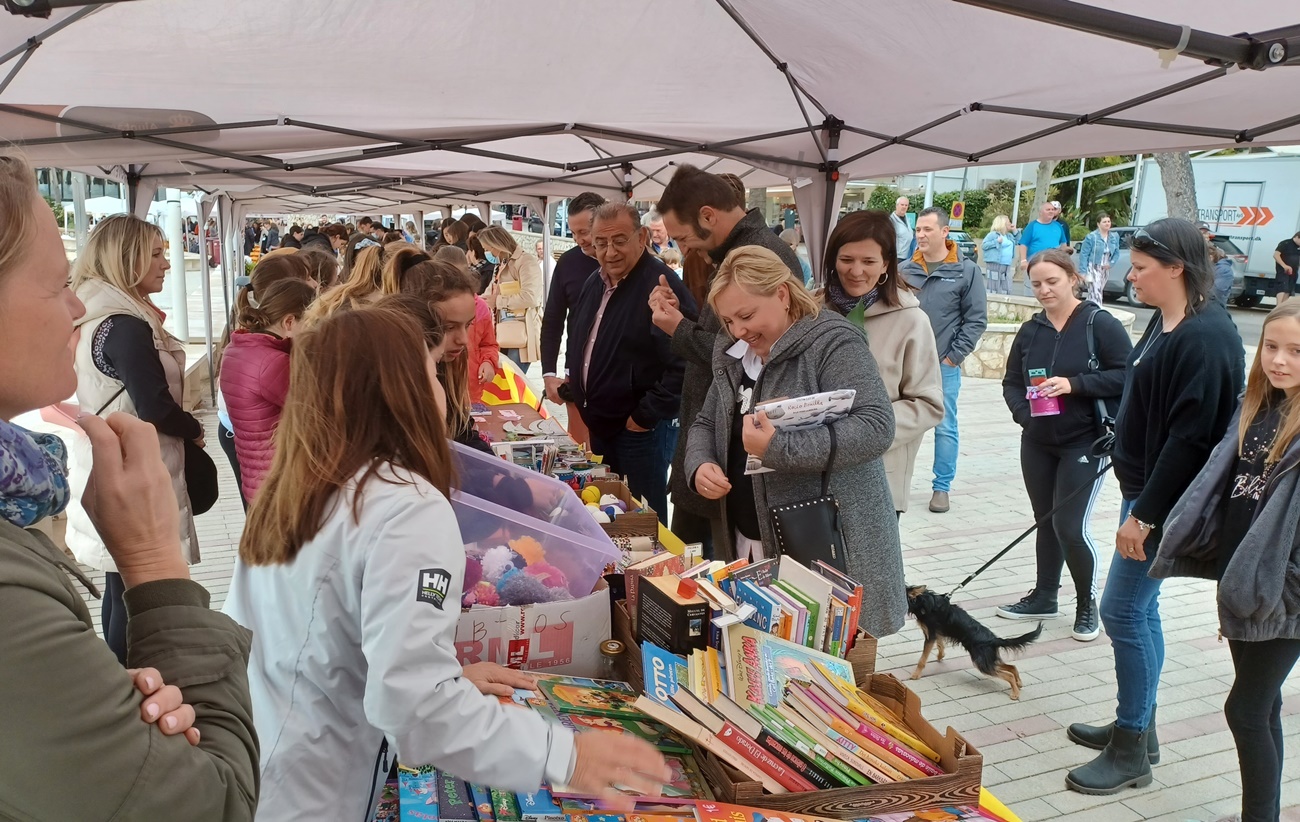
(255, 382)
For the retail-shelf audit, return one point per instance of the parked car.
(965, 244)
(1117, 285)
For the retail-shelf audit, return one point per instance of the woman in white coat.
(349, 575)
(126, 361)
(517, 288)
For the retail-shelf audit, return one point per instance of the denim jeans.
(643, 458)
(516, 356)
(1130, 611)
(945, 436)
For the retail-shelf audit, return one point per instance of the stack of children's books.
(783, 714)
(685, 609)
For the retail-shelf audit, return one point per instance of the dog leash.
(1045, 518)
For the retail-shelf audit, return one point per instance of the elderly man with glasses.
(625, 379)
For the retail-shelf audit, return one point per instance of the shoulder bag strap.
(830, 461)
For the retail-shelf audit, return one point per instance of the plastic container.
(497, 502)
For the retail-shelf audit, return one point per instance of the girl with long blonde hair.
(1239, 523)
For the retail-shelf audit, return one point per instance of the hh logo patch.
(433, 586)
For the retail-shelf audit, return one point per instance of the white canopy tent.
(610, 96)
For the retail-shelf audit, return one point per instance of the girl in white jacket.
(349, 575)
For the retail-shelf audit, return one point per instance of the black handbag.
(810, 530)
(200, 479)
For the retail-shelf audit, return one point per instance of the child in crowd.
(1239, 523)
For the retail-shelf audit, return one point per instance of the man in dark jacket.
(703, 211)
(572, 270)
(951, 291)
(626, 381)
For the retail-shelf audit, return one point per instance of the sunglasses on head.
(1142, 238)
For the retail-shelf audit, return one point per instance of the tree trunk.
(1042, 185)
(1179, 184)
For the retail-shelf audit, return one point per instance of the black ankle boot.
(1097, 736)
(1122, 764)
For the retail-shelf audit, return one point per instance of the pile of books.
(784, 715)
(417, 797)
(685, 609)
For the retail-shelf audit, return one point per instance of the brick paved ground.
(1025, 750)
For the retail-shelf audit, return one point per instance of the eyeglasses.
(1141, 237)
(619, 243)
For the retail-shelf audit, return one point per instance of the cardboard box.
(550, 637)
(676, 623)
(627, 525)
(959, 784)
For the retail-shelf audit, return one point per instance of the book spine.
(631, 580)
(791, 759)
(898, 754)
(809, 747)
(482, 803)
(751, 750)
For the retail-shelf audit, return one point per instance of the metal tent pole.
(175, 233)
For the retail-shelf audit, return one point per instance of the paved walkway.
(1025, 750)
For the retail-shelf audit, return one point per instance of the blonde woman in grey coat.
(781, 342)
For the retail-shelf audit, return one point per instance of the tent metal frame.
(1226, 53)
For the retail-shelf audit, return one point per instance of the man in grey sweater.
(951, 290)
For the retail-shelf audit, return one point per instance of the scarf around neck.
(33, 475)
(845, 304)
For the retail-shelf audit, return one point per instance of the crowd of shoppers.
(665, 375)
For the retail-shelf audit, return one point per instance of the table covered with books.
(749, 677)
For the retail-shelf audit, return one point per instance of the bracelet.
(1145, 526)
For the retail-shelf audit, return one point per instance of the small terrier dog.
(940, 619)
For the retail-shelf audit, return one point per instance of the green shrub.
(882, 199)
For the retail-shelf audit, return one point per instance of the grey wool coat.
(820, 353)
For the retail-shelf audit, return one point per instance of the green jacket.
(74, 745)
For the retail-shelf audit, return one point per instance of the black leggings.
(1051, 474)
(1254, 713)
(112, 615)
(226, 438)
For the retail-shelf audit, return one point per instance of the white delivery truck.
(1252, 199)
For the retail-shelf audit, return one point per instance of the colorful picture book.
(759, 665)
(595, 697)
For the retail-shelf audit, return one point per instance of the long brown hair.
(1261, 395)
(359, 397)
(436, 281)
(697, 273)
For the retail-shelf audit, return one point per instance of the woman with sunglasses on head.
(1183, 380)
(1237, 524)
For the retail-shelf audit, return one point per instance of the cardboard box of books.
(548, 637)
(959, 765)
